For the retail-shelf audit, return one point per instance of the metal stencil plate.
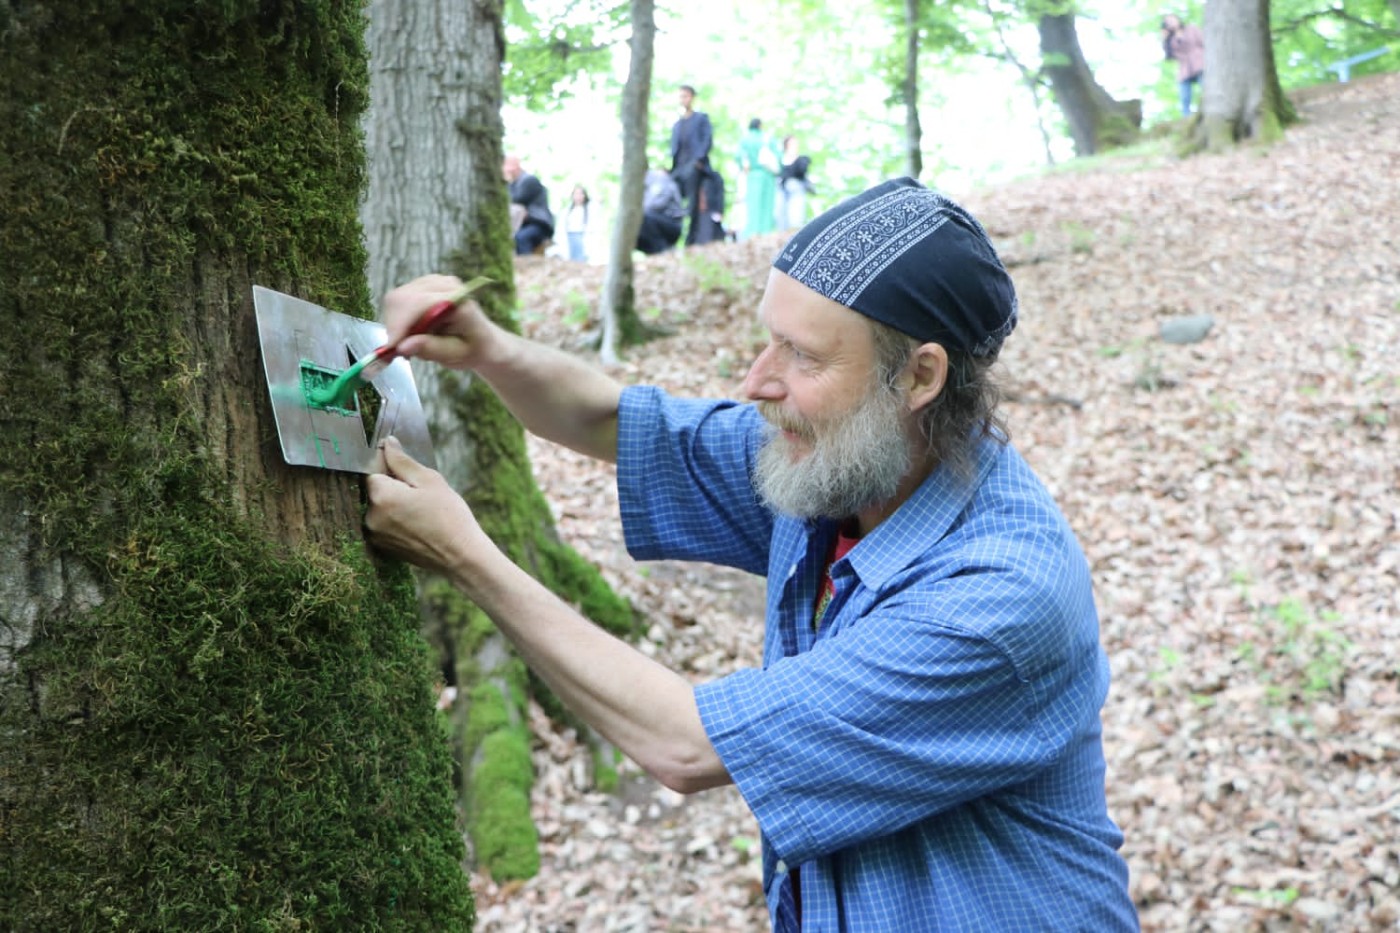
(303, 344)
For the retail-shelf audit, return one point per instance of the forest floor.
(1238, 499)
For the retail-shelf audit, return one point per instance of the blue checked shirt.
(930, 756)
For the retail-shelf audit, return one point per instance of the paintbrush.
(363, 370)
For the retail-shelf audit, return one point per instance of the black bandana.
(910, 258)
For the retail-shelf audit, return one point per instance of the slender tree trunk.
(1030, 79)
(913, 132)
(1096, 121)
(619, 308)
(1241, 97)
(436, 202)
(214, 710)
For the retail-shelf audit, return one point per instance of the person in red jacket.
(1184, 43)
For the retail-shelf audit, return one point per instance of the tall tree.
(436, 201)
(214, 710)
(909, 90)
(1096, 121)
(618, 308)
(1241, 97)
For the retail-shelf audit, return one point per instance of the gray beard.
(855, 463)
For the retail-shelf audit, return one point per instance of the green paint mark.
(315, 383)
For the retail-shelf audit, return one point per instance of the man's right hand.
(459, 342)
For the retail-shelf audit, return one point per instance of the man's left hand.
(415, 515)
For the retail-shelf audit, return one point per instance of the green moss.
(234, 733)
(605, 762)
(503, 831)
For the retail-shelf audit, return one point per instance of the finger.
(407, 303)
(400, 465)
(433, 347)
(379, 466)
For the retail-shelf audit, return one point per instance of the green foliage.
(548, 45)
(1309, 35)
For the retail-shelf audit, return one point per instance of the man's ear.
(927, 374)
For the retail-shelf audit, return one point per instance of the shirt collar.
(922, 520)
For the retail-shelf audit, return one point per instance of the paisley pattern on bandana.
(911, 258)
(845, 258)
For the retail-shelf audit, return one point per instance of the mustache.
(773, 413)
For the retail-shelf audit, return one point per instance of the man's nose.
(759, 382)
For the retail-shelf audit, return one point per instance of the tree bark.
(436, 201)
(618, 308)
(913, 132)
(1241, 97)
(214, 709)
(1096, 121)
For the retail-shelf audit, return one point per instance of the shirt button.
(781, 867)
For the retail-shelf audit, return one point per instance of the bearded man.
(921, 747)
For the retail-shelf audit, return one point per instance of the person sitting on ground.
(922, 745)
(663, 213)
(531, 217)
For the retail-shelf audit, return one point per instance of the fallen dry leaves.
(1238, 499)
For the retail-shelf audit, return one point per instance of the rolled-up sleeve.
(683, 480)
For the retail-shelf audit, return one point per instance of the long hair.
(964, 413)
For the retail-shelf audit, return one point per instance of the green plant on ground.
(1299, 654)
(580, 308)
(1081, 238)
(712, 275)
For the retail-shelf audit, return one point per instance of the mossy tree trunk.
(1241, 98)
(1097, 121)
(436, 202)
(618, 309)
(214, 709)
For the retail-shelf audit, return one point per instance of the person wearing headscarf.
(922, 744)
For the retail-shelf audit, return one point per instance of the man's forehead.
(789, 308)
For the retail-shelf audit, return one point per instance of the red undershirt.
(840, 547)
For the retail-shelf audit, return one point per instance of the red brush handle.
(430, 321)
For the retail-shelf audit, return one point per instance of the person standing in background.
(691, 139)
(793, 186)
(576, 224)
(1186, 45)
(760, 162)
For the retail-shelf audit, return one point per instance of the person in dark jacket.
(662, 213)
(530, 215)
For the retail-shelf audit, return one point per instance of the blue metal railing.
(1343, 67)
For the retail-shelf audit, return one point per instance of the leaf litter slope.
(1237, 500)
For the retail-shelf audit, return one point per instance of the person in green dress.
(759, 160)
